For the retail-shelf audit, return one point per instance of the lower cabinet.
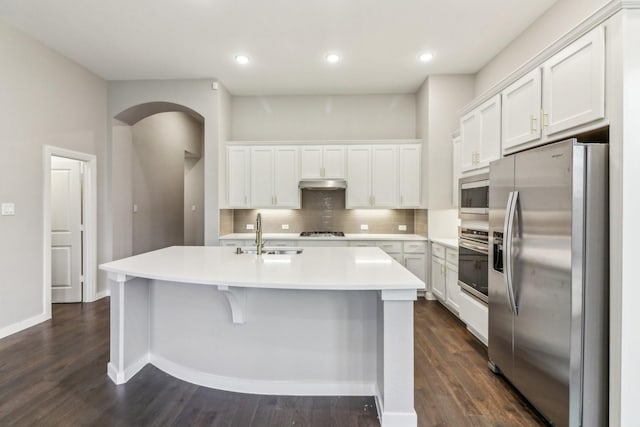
(475, 314)
(452, 297)
(438, 278)
(444, 276)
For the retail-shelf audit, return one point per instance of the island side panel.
(396, 390)
(129, 327)
(294, 342)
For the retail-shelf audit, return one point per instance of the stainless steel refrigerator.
(548, 279)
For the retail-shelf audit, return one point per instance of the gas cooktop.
(322, 234)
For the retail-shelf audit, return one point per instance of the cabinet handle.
(533, 124)
(544, 119)
(245, 200)
(275, 200)
(322, 172)
(373, 198)
(401, 199)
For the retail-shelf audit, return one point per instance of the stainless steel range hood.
(322, 184)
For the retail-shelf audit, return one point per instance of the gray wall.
(193, 197)
(45, 100)
(159, 186)
(323, 117)
(558, 20)
(121, 180)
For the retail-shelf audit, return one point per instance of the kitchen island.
(327, 321)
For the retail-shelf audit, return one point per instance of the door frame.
(89, 206)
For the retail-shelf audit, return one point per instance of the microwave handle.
(478, 248)
(508, 249)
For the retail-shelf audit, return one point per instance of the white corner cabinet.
(565, 92)
(456, 147)
(480, 133)
(238, 177)
(384, 176)
(322, 161)
(444, 276)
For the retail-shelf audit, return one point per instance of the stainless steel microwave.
(474, 195)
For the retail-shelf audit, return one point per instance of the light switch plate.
(402, 228)
(8, 209)
(364, 226)
(135, 208)
(249, 227)
(285, 226)
(193, 208)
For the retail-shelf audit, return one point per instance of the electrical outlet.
(249, 227)
(402, 228)
(135, 208)
(8, 209)
(285, 226)
(364, 226)
(193, 208)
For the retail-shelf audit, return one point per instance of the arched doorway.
(157, 178)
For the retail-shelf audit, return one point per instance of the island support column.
(395, 396)
(129, 326)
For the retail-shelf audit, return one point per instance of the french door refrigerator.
(548, 279)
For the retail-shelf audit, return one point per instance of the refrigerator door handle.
(508, 246)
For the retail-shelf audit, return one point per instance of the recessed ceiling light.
(242, 59)
(333, 58)
(426, 57)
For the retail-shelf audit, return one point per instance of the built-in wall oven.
(473, 262)
(474, 195)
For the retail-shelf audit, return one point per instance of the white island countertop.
(344, 268)
(348, 236)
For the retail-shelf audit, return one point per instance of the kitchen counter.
(448, 242)
(349, 236)
(328, 321)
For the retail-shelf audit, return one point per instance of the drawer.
(438, 251)
(390, 247)
(235, 243)
(280, 243)
(414, 247)
(452, 257)
(362, 243)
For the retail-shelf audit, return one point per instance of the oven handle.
(507, 254)
(478, 248)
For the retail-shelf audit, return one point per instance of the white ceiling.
(287, 40)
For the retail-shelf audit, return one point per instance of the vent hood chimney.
(322, 184)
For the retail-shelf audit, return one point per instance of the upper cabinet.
(480, 133)
(274, 177)
(573, 84)
(565, 92)
(238, 176)
(371, 177)
(322, 161)
(409, 175)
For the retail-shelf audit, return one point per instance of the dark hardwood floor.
(54, 374)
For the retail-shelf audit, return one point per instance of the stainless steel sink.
(270, 251)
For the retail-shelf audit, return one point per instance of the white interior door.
(66, 230)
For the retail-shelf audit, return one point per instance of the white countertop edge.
(444, 241)
(349, 236)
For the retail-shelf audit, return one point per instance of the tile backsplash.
(325, 211)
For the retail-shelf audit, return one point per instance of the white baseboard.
(121, 377)
(394, 419)
(103, 294)
(253, 386)
(22, 325)
(429, 296)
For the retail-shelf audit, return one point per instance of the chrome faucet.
(259, 240)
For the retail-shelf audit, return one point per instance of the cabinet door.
(333, 161)
(490, 130)
(311, 162)
(470, 134)
(438, 278)
(359, 176)
(573, 84)
(285, 177)
(384, 179)
(262, 177)
(456, 157)
(415, 263)
(238, 176)
(452, 289)
(521, 104)
(409, 175)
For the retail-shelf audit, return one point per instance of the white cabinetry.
(444, 276)
(409, 175)
(415, 259)
(371, 176)
(238, 177)
(566, 92)
(475, 314)
(322, 161)
(573, 84)
(456, 147)
(480, 132)
(521, 104)
(274, 177)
